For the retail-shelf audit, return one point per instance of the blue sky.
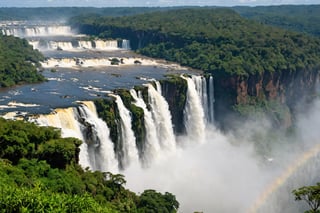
(132, 3)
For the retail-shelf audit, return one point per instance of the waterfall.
(211, 100)
(96, 151)
(129, 150)
(151, 146)
(194, 112)
(85, 44)
(99, 145)
(125, 44)
(60, 45)
(158, 87)
(106, 45)
(35, 44)
(65, 119)
(205, 89)
(39, 31)
(162, 117)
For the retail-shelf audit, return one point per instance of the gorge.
(174, 128)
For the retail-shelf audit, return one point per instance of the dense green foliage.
(301, 18)
(213, 40)
(311, 195)
(62, 13)
(18, 62)
(39, 173)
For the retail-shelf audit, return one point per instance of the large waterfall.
(77, 44)
(100, 148)
(98, 152)
(151, 146)
(162, 117)
(194, 115)
(35, 31)
(129, 152)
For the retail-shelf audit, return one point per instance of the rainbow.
(305, 157)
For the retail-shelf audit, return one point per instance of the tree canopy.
(214, 40)
(18, 62)
(39, 172)
(300, 18)
(309, 194)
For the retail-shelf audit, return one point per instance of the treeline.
(18, 62)
(214, 40)
(63, 13)
(300, 18)
(39, 172)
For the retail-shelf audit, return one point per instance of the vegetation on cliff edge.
(39, 172)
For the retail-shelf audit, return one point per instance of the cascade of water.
(85, 44)
(151, 146)
(65, 119)
(38, 31)
(60, 45)
(125, 44)
(194, 112)
(158, 87)
(106, 45)
(35, 44)
(211, 100)
(205, 90)
(127, 138)
(100, 147)
(57, 30)
(162, 117)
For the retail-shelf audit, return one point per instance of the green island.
(18, 62)
(39, 172)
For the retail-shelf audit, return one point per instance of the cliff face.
(287, 88)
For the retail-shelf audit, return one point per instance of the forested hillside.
(254, 65)
(18, 62)
(214, 40)
(39, 172)
(300, 18)
(63, 13)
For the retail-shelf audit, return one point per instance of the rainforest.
(169, 109)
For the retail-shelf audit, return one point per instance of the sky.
(149, 3)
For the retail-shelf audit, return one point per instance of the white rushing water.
(106, 45)
(162, 117)
(66, 120)
(101, 151)
(194, 113)
(151, 147)
(127, 138)
(36, 31)
(211, 100)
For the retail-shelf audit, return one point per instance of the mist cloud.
(230, 171)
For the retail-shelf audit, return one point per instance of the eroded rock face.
(288, 88)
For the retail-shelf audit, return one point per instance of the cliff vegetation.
(39, 172)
